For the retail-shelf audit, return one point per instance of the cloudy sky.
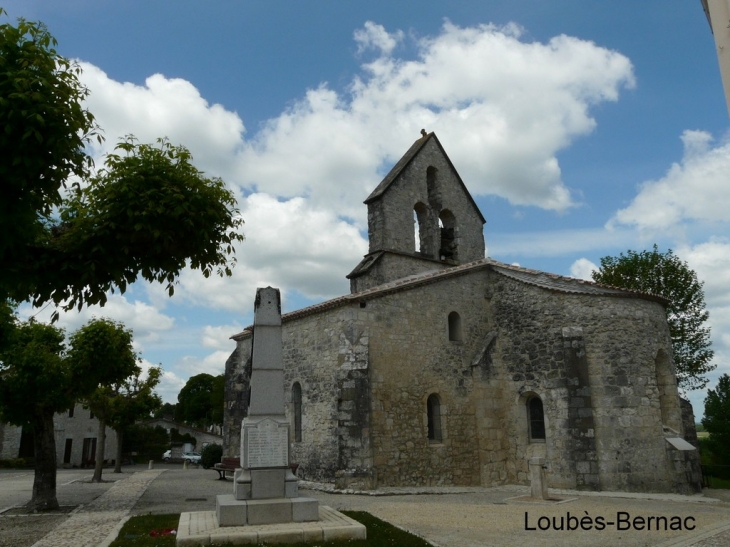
(581, 128)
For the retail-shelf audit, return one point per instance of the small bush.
(211, 455)
(14, 463)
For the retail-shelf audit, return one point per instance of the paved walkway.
(447, 517)
(98, 523)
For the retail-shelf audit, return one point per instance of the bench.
(227, 465)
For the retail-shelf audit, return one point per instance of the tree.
(199, 399)
(135, 400)
(717, 419)
(167, 409)
(35, 383)
(147, 213)
(119, 405)
(666, 275)
(39, 377)
(105, 346)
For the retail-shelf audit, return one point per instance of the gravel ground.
(477, 518)
(491, 518)
(24, 531)
(73, 488)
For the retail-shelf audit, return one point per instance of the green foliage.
(102, 355)
(200, 401)
(43, 131)
(211, 455)
(15, 463)
(166, 410)
(717, 420)
(35, 377)
(147, 213)
(149, 443)
(134, 399)
(666, 275)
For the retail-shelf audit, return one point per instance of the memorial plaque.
(267, 444)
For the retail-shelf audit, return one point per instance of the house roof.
(406, 159)
(553, 282)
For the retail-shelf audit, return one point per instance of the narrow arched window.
(296, 399)
(449, 242)
(455, 332)
(433, 413)
(536, 419)
(420, 221)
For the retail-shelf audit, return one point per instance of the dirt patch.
(25, 530)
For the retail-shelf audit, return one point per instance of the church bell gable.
(420, 217)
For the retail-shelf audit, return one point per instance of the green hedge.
(16, 463)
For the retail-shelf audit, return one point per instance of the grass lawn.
(136, 533)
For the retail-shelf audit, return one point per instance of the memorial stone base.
(202, 528)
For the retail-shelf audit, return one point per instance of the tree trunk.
(118, 460)
(100, 442)
(44, 483)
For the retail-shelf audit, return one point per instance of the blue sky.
(582, 129)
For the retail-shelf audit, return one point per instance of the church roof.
(553, 282)
(406, 159)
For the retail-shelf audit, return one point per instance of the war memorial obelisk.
(264, 489)
(265, 505)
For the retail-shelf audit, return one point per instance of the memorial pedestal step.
(232, 512)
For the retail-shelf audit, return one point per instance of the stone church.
(443, 367)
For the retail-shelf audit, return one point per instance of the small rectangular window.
(71, 411)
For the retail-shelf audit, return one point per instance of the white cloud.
(694, 190)
(582, 268)
(502, 107)
(711, 261)
(219, 337)
(373, 36)
(213, 364)
(164, 107)
(169, 386)
(288, 245)
(146, 321)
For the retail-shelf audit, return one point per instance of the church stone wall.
(592, 361)
(412, 358)
(236, 393)
(327, 354)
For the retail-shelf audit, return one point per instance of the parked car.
(166, 456)
(191, 457)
